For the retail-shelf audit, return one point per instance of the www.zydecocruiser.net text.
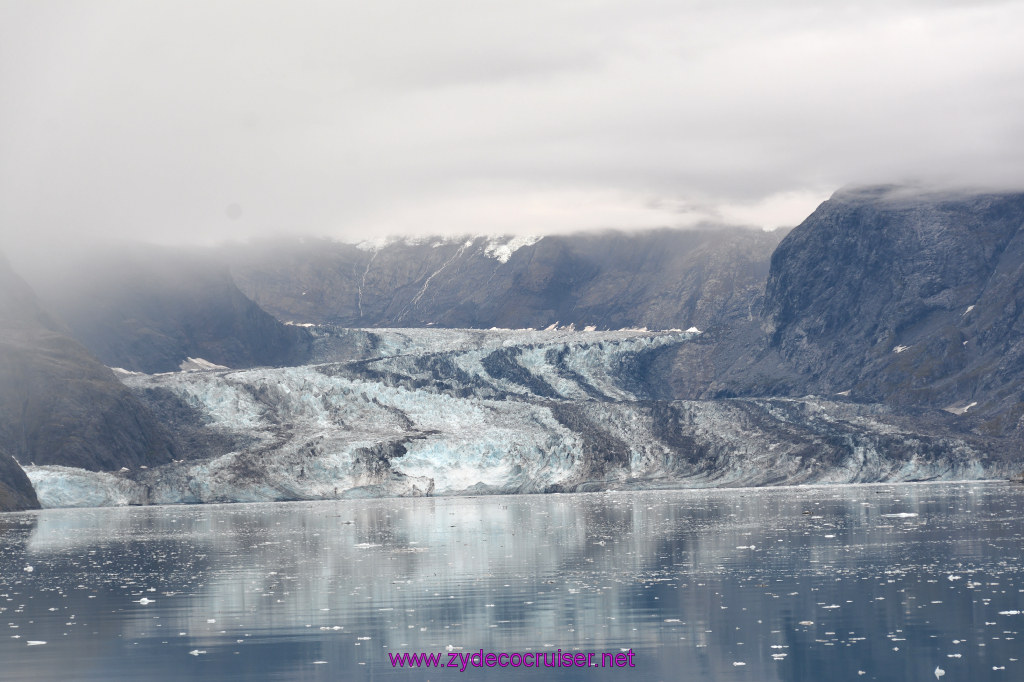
(461, 661)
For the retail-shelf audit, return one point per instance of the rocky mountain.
(149, 309)
(907, 299)
(58, 404)
(659, 279)
(881, 340)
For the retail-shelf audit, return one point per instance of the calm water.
(847, 582)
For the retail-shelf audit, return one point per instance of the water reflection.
(784, 584)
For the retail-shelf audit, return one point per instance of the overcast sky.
(201, 121)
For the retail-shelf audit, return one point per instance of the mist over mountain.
(148, 309)
(59, 404)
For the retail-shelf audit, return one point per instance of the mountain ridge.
(660, 279)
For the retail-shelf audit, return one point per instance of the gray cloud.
(202, 121)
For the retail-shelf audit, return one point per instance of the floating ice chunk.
(951, 578)
(901, 515)
(35, 642)
(1009, 613)
(196, 652)
(939, 672)
(899, 349)
(145, 601)
(738, 663)
(29, 569)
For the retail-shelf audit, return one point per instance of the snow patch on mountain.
(198, 365)
(502, 249)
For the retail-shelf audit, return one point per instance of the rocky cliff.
(906, 298)
(16, 492)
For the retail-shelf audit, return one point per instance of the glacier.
(408, 412)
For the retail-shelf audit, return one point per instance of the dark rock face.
(16, 491)
(660, 279)
(149, 309)
(58, 404)
(911, 300)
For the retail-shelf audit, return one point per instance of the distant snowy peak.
(502, 248)
(378, 243)
(499, 248)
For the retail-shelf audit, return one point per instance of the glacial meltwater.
(845, 582)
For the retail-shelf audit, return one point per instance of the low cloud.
(193, 122)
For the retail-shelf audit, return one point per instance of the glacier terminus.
(414, 412)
